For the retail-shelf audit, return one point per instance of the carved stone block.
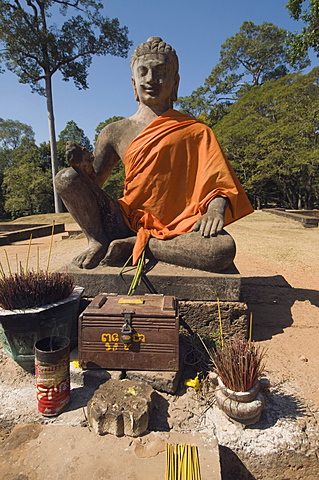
(121, 407)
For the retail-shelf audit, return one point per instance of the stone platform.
(10, 233)
(308, 218)
(162, 278)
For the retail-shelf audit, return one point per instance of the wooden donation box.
(138, 332)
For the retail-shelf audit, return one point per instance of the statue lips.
(153, 91)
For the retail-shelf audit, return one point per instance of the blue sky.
(196, 29)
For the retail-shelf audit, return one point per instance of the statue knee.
(66, 180)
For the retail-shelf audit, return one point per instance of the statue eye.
(161, 71)
(142, 71)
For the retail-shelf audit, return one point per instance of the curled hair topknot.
(155, 45)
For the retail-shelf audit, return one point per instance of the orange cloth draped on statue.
(174, 168)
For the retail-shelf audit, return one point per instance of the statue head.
(154, 48)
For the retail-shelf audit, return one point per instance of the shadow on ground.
(270, 300)
(232, 468)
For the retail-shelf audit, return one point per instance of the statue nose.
(150, 78)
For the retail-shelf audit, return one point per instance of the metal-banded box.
(130, 332)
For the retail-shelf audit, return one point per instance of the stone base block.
(165, 279)
(203, 317)
(162, 381)
(121, 408)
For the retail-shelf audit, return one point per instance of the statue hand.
(209, 224)
(80, 157)
(212, 222)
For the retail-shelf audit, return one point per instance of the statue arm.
(212, 222)
(97, 165)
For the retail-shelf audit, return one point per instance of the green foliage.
(309, 36)
(12, 132)
(45, 156)
(27, 186)
(115, 183)
(271, 138)
(75, 134)
(256, 54)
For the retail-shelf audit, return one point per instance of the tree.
(309, 36)
(271, 137)
(75, 134)
(27, 186)
(12, 134)
(256, 54)
(12, 131)
(35, 50)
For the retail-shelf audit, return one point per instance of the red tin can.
(52, 372)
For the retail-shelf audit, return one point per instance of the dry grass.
(46, 218)
(271, 242)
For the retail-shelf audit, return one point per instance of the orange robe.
(174, 168)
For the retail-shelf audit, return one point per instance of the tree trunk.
(258, 203)
(54, 157)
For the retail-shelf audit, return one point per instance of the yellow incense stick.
(220, 323)
(38, 259)
(250, 328)
(51, 243)
(28, 255)
(182, 462)
(2, 271)
(8, 263)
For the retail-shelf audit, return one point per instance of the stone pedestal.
(183, 283)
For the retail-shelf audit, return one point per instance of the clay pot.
(21, 329)
(243, 407)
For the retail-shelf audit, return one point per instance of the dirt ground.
(278, 261)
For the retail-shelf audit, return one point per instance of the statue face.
(154, 81)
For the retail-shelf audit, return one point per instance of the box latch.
(126, 330)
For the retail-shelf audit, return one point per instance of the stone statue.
(179, 190)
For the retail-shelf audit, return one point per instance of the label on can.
(53, 387)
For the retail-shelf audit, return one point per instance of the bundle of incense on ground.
(182, 462)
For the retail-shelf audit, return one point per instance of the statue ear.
(135, 91)
(175, 88)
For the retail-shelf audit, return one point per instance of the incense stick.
(51, 243)
(8, 263)
(28, 255)
(220, 323)
(250, 328)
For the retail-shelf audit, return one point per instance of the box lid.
(114, 305)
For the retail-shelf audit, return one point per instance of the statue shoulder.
(120, 134)
(113, 130)
(116, 131)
